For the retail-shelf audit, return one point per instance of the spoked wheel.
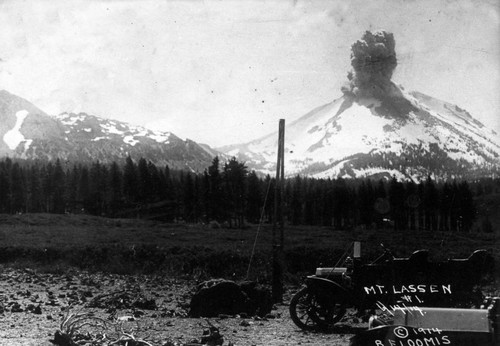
(309, 314)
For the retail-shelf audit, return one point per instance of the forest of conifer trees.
(228, 193)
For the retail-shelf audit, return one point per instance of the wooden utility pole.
(278, 219)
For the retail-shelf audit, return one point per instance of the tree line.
(227, 192)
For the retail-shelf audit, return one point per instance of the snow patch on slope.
(331, 172)
(98, 139)
(111, 128)
(367, 172)
(354, 132)
(69, 119)
(13, 137)
(130, 140)
(161, 137)
(27, 144)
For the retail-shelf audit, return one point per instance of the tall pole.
(278, 220)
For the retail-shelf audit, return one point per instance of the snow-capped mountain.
(27, 132)
(406, 134)
(378, 129)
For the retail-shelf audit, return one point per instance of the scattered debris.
(54, 309)
(123, 299)
(218, 297)
(211, 336)
(70, 331)
(73, 332)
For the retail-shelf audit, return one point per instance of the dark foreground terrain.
(148, 307)
(137, 277)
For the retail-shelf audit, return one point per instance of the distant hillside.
(29, 133)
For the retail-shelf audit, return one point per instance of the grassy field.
(124, 245)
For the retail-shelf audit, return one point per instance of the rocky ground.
(110, 307)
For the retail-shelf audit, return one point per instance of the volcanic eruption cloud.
(373, 59)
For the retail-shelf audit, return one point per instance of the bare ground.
(33, 305)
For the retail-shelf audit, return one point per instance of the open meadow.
(55, 242)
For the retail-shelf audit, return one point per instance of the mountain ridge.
(409, 135)
(366, 136)
(29, 133)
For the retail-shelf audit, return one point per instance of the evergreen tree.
(397, 200)
(445, 200)
(255, 200)
(215, 198)
(33, 191)
(17, 189)
(58, 188)
(381, 205)
(431, 199)
(170, 190)
(366, 202)
(198, 200)
(48, 187)
(97, 189)
(296, 201)
(163, 185)
(412, 203)
(114, 191)
(83, 190)
(130, 181)
(144, 188)
(309, 202)
(342, 204)
(370, 202)
(421, 206)
(467, 209)
(327, 202)
(454, 207)
(234, 179)
(155, 186)
(4, 187)
(70, 194)
(189, 199)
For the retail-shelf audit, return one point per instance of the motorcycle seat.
(419, 257)
(476, 256)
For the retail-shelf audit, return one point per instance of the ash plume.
(373, 59)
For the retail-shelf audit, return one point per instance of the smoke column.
(373, 59)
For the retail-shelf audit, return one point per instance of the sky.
(224, 72)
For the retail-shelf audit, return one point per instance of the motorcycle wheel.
(308, 314)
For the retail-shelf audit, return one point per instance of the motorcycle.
(386, 283)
